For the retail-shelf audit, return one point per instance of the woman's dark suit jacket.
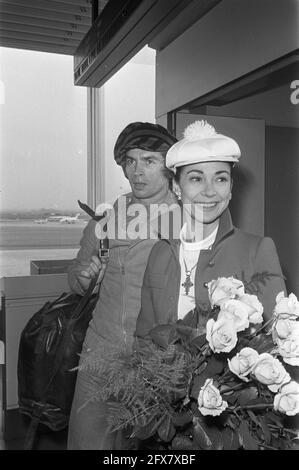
(234, 253)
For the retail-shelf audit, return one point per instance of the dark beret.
(142, 135)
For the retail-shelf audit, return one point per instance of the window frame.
(95, 146)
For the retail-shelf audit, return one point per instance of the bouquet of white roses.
(232, 386)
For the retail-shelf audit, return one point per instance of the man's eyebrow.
(146, 157)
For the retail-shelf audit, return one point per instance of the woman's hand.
(96, 268)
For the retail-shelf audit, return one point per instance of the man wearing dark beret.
(140, 149)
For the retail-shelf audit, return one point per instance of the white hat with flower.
(201, 143)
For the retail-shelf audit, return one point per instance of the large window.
(128, 96)
(43, 159)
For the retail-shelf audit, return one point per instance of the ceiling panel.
(55, 5)
(45, 25)
(41, 22)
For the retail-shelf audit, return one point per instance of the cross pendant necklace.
(187, 284)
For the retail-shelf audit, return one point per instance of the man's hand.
(96, 268)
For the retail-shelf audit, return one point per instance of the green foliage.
(254, 285)
(181, 419)
(154, 392)
(136, 386)
(230, 439)
(163, 335)
(207, 434)
(147, 430)
(247, 441)
(166, 430)
(200, 435)
(246, 396)
(182, 442)
(261, 343)
(265, 428)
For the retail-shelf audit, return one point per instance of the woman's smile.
(205, 190)
(206, 205)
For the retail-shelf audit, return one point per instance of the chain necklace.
(187, 284)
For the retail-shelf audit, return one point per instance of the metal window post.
(95, 147)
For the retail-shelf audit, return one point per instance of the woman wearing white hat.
(209, 246)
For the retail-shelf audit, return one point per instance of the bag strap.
(104, 254)
(84, 300)
(79, 310)
(34, 422)
(86, 297)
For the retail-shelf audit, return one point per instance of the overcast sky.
(43, 126)
(43, 132)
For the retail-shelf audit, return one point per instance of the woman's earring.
(177, 191)
(178, 194)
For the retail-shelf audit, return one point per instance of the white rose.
(255, 314)
(287, 400)
(286, 307)
(224, 288)
(209, 400)
(221, 335)
(269, 371)
(289, 348)
(282, 328)
(243, 363)
(236, 311)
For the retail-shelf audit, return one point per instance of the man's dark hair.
(145, 136)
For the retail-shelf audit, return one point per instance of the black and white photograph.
(149, 228)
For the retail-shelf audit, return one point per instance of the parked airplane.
(69, 220)
(41, 221)
(55, 218)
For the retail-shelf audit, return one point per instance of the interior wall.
(247, 204)
(129, 97)
(274, 106)
(234, 38)
(22, 297)
(282, 199)
(281, 170)
(162, 120)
